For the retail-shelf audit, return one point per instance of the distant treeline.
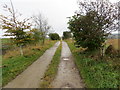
(114, 36)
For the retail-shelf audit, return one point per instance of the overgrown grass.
(52, 70)
(5, 40)
(6, 45)
(95, 73)
(13, 64)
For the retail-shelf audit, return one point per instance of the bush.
(85, 32)
(90, 24)
(54, 36)
(67, 35)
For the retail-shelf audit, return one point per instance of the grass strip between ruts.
(52, 69)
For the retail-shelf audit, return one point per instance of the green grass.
(6, 44)
(95, 73)
(52, 70)
(0, 77)
(13, 66)
(5, 40)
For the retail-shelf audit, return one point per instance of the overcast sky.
(56, 11)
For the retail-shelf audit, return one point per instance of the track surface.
(68, 75)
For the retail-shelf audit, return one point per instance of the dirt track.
(31, 77)
(68, 75)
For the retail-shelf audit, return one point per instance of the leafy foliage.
(36, 35)
(67, 35)
(54, 36)
(92, 24)
(15, 27)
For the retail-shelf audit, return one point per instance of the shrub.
(67, 35)
(54, 36)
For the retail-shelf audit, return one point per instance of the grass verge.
(95, 73)
(13, 64)
(52, 70)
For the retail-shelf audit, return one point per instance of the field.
(6, 45)
(114, 42)
(5, 40)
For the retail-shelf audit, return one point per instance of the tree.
(35, 35)
(67, 35)
(54, 36)
(16, 28)
(93, 23)
(42, 25)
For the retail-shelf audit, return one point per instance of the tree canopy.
(67, 35)
(41, 25)
(93, 23)
(14, 27)
(54, 36)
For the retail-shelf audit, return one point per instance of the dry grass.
(16, 52)
(114, 42)
(27, 50)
